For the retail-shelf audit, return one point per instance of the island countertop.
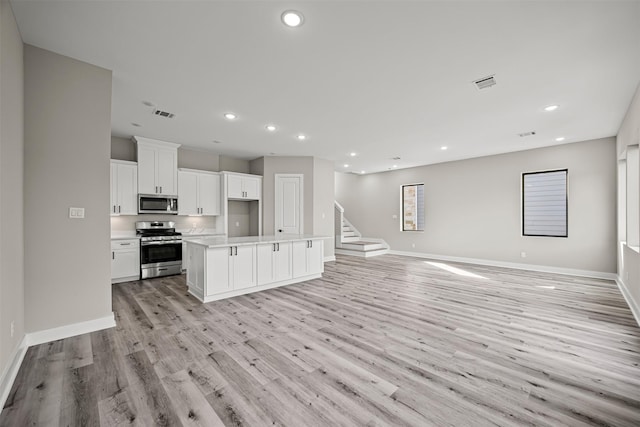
(223, 241)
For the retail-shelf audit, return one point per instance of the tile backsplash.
(127, 223)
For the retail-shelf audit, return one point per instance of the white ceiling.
(381, 79)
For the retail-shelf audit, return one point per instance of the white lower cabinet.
(307, 257)
(274, 262)
(125, 260)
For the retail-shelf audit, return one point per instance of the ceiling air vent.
(485, 82)
(161, 113)
(522, 135)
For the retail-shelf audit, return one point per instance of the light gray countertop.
(223, 241)
(124, 236)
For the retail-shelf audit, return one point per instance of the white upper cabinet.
(198, 192)
(244, 186)
(209, 193)
(124, 188)
(157, 167)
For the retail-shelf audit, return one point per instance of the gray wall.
(11, 186)
(67, 151)
(123, 149)
(318, 193)
(323, 206)
(629, 260)
(473, 207)
(197, 159)
(231, 164)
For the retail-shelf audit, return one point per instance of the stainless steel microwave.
(156, 204)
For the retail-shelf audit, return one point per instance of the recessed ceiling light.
(362, 171)
(301, 137)
(148, 103)
(551, 108)
(230, 116)
(215, 141)
(346, 165)
(560, 139)
(138, 125)
(444, 147)
(352, 154)
(270, 128)
(292, 18)
(395, 166)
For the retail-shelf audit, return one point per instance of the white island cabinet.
(223, 267)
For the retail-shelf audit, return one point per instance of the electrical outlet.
(626, 275)
(237, 223)
(413, 245)
(523, 254)
(394, 216)
(13, 328)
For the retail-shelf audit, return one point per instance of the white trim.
(278, 200)
(53, 334)
(154, 142)
(11, 371)
(329, 258)
(633, 306)
(518, 266)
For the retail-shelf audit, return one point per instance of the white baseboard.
(11, 371)
(329, 258)
(53, 334)
(635, 309)
(517, 266)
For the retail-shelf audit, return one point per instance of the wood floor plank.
(385, 341)
(191, 405)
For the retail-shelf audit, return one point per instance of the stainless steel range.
(160, 248)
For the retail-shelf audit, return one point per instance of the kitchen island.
(223, 267)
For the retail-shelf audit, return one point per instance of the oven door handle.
(165, 242)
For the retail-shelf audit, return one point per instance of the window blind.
(544, 203)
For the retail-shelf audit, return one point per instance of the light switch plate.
(76, 213)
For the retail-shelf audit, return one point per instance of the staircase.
(349, 240)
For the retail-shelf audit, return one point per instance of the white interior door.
(289, 202)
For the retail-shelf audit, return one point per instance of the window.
(544, 203)
(413, 207)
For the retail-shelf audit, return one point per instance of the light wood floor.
(381, 341)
